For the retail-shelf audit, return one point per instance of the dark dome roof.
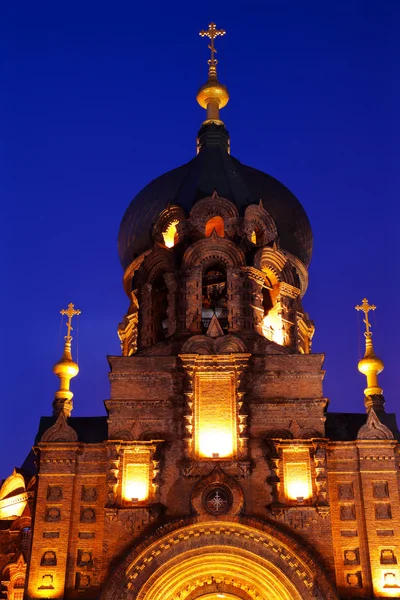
(214, 169)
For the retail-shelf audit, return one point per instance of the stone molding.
(374, 429)
(60, 431)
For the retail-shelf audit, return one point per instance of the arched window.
(216, 223)
(272, 323)
(267, 301)
(256, 236)
(18, 589)
(170, 235)
(214, 296)
(160, 306)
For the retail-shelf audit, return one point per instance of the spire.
(65, 369)
(371, 365)
(213, 95)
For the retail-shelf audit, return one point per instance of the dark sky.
(99, 98)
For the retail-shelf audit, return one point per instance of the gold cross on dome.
(70, 312)
(212, 32)
(365, 307)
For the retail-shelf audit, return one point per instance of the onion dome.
(214, 169)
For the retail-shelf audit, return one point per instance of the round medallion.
(217, 500)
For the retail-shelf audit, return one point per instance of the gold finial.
(370, 365)
(213, 95)
(66, 368)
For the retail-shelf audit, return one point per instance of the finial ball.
(212, 91)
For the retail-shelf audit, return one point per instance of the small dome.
(214, 169)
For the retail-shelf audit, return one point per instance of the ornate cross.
(365, 307)
(212, 32)
(70, 312)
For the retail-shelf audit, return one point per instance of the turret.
(65, 369)
(371, 365)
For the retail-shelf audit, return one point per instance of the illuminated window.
(170, 235)
(256, 236)
(297, 476)
(136, 475)
(216, 223)
(272, 323)
(215, 415)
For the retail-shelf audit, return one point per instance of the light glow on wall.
(170, 234)
(386, 583)
(297, 481)
(13, 497)
(272, 327)
(136, 482)
(215, 415)
(215, 443)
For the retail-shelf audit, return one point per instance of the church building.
(218, 472)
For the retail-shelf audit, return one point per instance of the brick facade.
(218, 471)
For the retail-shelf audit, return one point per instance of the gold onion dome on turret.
(66, 367)
(370, 365)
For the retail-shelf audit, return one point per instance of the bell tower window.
(214, 296)
(216, 223)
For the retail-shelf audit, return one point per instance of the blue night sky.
(99, 98)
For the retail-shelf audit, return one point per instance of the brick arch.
(184, 555)
(213, 249)
(214, 206)
(173, 213)
(256, 216)
(158, 262)
(300, 270)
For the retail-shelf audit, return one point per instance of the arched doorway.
(218, 560)
(239, 569)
